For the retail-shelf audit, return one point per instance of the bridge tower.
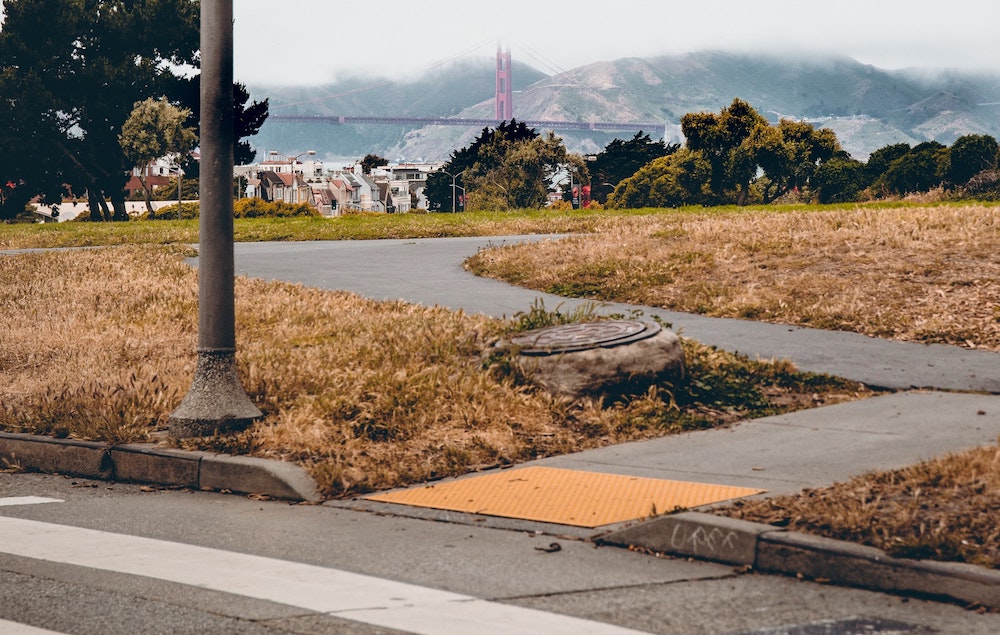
(505, 90)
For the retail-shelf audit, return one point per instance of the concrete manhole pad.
(606, 359)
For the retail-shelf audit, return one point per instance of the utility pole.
(216, 402)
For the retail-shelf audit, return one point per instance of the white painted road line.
(27, 500)
(13, 628)
(350, 596)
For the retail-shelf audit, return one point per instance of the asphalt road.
(78, 583)
(91, 557)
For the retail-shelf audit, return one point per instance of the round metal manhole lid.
(569, 338)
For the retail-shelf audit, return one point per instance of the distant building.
(395, 188)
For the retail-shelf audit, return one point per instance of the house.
(157, 174)
(324, 199)
(272, 186)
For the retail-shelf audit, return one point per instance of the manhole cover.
(569, 338)
(849, 626)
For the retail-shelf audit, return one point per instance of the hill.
(866, 106)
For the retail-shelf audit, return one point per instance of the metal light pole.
(452, 187)
(216, 402)
(180, 189)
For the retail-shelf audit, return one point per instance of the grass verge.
(915, 273)
(99, 344)
(943, 509)
(352, 227)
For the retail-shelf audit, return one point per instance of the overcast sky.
(317, 41)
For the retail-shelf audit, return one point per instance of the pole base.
(216, 402)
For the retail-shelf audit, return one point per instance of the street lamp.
(453, 186)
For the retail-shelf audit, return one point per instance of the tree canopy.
(509, 167)
(372, 161)
(72, 69)
(970, 155)
(621, 159)
(731, 157)
(156, 128)
(70, 73)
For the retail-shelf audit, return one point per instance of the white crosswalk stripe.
(27, 500)
(13, 628)
(361, 598)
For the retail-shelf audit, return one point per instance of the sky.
(309, 42)
(313, 42)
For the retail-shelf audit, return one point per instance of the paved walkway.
(780, 454)
(429, 272)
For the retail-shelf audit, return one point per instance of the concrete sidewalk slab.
(809, 448)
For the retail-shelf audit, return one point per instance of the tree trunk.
(118, 203)
(95, 201)
(742, 195)
(148, 196)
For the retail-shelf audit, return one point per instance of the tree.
(744, 149)
(681, 178)
(839, 180)
(514, 174)
(919, 170)
(879, 162)
(71, 71)
(372, 161)
(803, 149)
(507, 166)
(155, 129)
(247, 121)
(721, 139)
(621, 159)
(970, 155)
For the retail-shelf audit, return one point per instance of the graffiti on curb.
(697, 540)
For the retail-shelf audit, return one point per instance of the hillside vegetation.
(866, 106)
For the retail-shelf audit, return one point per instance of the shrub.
(169, 212)
(259, 208)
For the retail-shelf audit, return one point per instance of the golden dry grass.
(944, 509)
(916, 273)
(100, 344)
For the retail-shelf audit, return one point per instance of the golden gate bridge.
(504, 111)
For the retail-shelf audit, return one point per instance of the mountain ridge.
(866, 106)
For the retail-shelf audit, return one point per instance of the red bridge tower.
(505, 91)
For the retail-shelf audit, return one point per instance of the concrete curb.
(771, 549)
(141, 463)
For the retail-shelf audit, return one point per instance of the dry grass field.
(100, 344)
(917, 273)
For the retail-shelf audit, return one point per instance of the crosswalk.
(13, 628)
(342, 594)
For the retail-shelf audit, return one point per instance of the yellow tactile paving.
(565, 497)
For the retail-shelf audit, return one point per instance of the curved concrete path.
(429, 272)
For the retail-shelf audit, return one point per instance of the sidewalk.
(958, 407)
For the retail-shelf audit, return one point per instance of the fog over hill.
(866, 106)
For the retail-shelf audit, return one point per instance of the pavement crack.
(619, 587)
